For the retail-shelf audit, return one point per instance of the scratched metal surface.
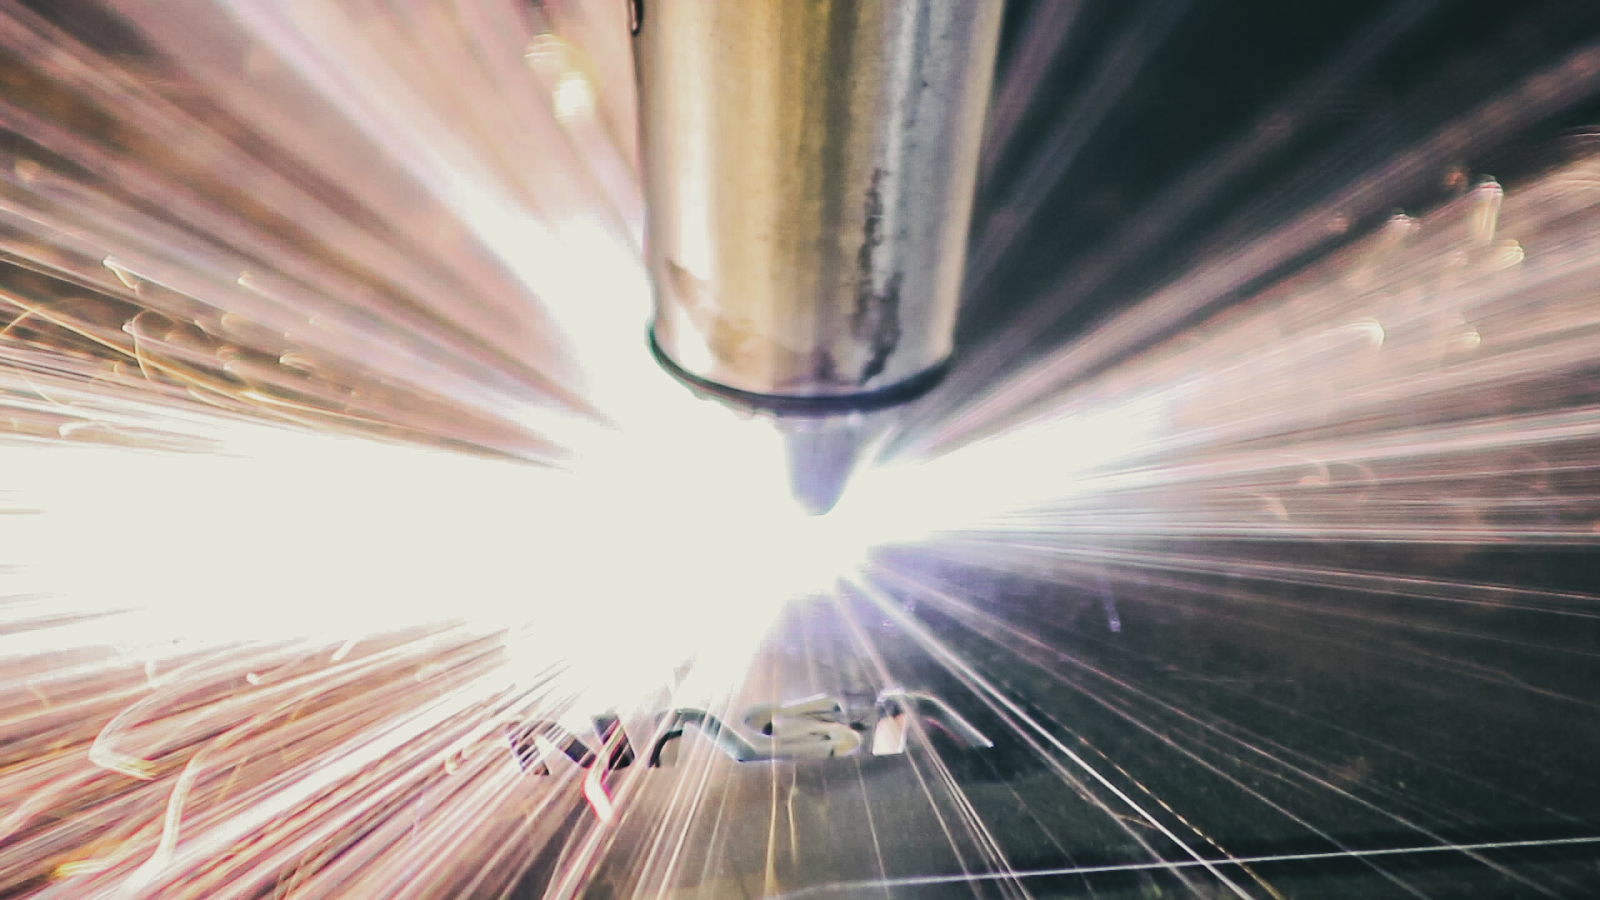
(1252, 720)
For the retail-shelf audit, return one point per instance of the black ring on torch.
(791, 405)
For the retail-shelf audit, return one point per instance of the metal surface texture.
(809, 172)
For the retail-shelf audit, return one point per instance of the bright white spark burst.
(220, 666)
(285, 667)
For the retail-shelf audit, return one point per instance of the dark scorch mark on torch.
(876, 320)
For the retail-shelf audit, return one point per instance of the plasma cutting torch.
(809, 168)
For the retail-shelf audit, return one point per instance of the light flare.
(334, 453)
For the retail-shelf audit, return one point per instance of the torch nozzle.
(823, 453)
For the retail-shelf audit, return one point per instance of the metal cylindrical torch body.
(809, 169)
